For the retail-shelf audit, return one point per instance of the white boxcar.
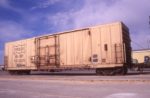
(105, 48)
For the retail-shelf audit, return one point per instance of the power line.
(148, 41)
(139, 45)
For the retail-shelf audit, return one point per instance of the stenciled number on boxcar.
(19, 55)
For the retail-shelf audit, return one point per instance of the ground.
(74, 85)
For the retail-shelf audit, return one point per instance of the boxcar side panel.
(105, 42)
(87, 47)
(117, 44)
(70, 49)
(96, 46)
(100, 45)
(10, 56)
(75, 48)
(63, 49)
(19, 55)
(78, 47)
(30, 53)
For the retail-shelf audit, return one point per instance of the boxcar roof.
(69, 31)
(86, 28)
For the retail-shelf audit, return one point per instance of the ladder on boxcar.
(118, 53)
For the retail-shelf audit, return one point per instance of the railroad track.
(77, 79)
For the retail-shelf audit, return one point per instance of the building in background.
(141, 56)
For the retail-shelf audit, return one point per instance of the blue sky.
(20, 19)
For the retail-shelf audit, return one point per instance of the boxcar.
(105, 48)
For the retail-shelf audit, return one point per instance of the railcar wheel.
(23, 72)
(99, 71)
(12, 72)
(19, 72)
(105, 71)
(122, 70)
(27, 72)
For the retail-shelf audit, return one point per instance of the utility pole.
(149, 20)
(148, 44)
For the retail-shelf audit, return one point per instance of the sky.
(20, 19)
